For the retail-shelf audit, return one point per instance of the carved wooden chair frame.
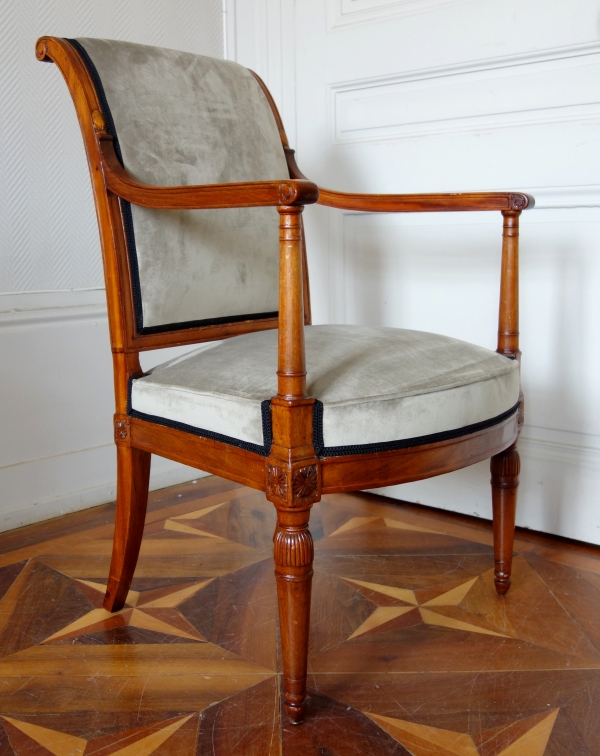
(293, 477)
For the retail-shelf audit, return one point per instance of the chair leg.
(505, 468)
(133, 475)
(294, 552)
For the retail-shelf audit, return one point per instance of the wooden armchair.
(190, 166)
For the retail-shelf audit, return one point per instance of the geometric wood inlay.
(412, 651)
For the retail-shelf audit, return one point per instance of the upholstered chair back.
(181, 119)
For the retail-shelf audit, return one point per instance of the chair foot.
(502, 583)
(505, 468)
(295, 704)
(294, 552)
(133, 476)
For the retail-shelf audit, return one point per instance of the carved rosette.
(98, 121)
(121, 430)
(277, 482)
(521, 412)
(507, 464)
(304, 482)
(518, 201)
(293, 548)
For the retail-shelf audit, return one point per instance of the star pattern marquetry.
(149, 610)
(141, 742)
(181, 523)
(412, 652)
(386, 617)
(526, 737)
(362, 522)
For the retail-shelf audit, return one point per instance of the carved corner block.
(122, 430)
(291, 486)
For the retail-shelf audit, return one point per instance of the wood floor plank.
(245, 724)
(411, 649)
(122, 692)
(132, 660)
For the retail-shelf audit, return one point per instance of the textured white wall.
(56, 400)
(47, 221)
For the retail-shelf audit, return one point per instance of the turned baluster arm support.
(508, 317)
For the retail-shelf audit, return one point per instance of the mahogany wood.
(355, 472)
(292, 476)
(292, 469)
(257, 194)
(430, 203)
(508, 317)
(505, 468)
(133, 476)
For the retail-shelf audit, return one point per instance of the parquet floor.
(412, 652)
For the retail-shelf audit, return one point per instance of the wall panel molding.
(35, 490)
(343, 13)
(56, 448)
(500, 92)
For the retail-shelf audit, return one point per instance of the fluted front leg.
(505, 468)
(294, 554)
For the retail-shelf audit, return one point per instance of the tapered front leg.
(505, 468)
(133, 476)
(293, 549)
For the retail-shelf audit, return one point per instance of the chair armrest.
(252, 194)
(425, 203)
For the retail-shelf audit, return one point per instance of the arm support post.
(291, 366)
(293, 471)
(508, 318)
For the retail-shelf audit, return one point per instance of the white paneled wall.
(461, 95)
(376, 95)
(56, 402)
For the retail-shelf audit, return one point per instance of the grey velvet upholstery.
(187, 119)
(377, 385)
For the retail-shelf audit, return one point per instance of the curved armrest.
(425, 203)
(251, 194)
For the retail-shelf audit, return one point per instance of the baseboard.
(20, 506)
(558, 492)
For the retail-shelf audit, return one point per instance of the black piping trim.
(129, 230)
(125, 206)
(263, 451)
(208, 322)
(344, 451)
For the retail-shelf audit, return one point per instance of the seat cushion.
(377, 388)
